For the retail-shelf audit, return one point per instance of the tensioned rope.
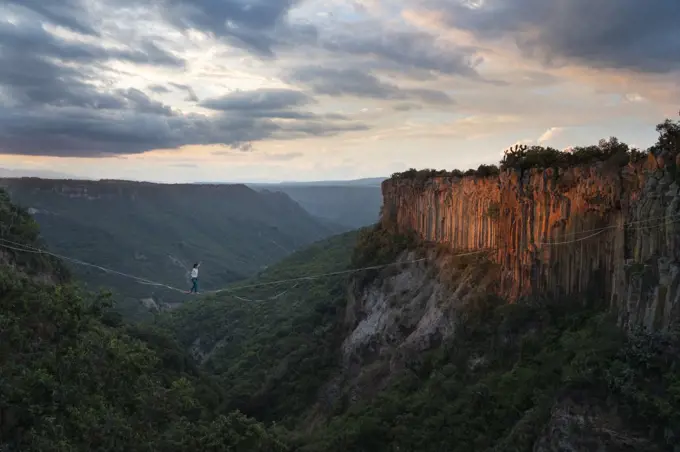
(30, 249)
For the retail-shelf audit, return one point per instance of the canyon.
(598, 229)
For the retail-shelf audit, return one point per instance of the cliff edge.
(607, 227)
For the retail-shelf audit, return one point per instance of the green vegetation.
(271, 355)
(422, 176)
(249, 369)
(73, 378)
(496, 383)
(669, 138)
(378, 246)
(18, 227)
(522, 158)
(158, 231)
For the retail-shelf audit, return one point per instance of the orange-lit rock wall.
(609, 232)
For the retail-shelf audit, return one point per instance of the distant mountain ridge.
(157, 231)
(352, 204)
(47, 174)
(367, 181)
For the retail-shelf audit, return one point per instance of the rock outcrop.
(601, 230)
(391, 321)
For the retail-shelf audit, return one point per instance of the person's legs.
(194, 285)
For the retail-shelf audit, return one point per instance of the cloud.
(258, 100)
(265, 156)
(353, 82)
(269, 103)
(618, 34)
(184, 165)
(40, 69)
(550, 134)
(402, 49)
(407, 107)
(28, 37)
(256, 26)
(60, 93)
(284, 157)
(103, 78)
(81, 132)
(191, 94)
(136, 100)
(71, 14)
(159, 89)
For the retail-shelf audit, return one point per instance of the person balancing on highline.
(194, 278)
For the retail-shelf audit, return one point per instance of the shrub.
(520, 158)
(379, 246)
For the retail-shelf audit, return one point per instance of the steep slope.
(439, 346)
(273, 349)
(158, 231)
(72, 378)
(419, 357)
(431, 362)
(351, 206)
(602, 218)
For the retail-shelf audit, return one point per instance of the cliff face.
(598, 229)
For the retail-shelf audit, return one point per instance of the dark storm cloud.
(353, 82)
(620, 34)
(255, 25)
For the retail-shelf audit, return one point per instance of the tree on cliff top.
(669, 137)
(522, 157)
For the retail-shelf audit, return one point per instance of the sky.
(276, 90)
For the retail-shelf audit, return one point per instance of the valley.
(158, 231)
(348, 204)
(530, 306)
(339, 226)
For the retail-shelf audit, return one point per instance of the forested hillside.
(272, 350)
(372, 340)
(537, 375)
(523, 377)
(73, 378)
(158, 231)
(425, 355)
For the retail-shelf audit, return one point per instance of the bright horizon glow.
(323, 89)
